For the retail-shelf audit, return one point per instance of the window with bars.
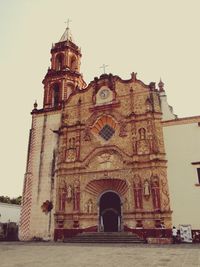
(106, 132)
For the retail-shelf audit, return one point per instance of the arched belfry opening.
(110, 212)
(59, 61)
(56, 95)
(73, 63)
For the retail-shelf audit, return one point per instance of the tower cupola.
(64, 76)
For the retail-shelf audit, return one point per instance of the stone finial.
(35, 105)
(161, 85)
(134, 76)
(152, 86)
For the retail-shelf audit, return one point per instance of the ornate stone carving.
(122, 129)
(105, 160)
(62, 198)
(155, 191)
(89, 206)
(126, 205)
(142, 144)
(76, 203)
(146, 191)
(86, 134)
(137, 188)
(134, 138)
(71, 155)
(164, 191)
(69, 192)
(64, 118)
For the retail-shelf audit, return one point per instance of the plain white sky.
(154, 38)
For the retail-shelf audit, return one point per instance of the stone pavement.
(19, 254)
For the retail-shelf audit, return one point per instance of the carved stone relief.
(137, 188)
(146, 191)
(89, 206)
(142, 144)
(122, 129)
(155, 191)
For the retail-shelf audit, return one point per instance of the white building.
(9, 213)
(182, 144)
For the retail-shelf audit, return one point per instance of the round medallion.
(104, 93)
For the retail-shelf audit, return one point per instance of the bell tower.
(63, 77)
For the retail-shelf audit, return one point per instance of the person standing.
(174, 234)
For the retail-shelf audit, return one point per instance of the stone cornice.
(181, 121)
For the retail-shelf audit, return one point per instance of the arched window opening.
(73, 63)
(56, 95)
(59, 62)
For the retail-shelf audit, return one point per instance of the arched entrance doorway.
(110, 212)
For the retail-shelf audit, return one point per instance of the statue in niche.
(142, 144)
(142, 133)
(69, 192)
(146, 189)
(137, 188)
(76, 199)
(155, 191)
(90, 206)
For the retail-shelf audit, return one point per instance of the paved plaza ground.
(19, 254)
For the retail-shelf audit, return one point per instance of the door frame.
(100, 219)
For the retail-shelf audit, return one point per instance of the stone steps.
(108, 237)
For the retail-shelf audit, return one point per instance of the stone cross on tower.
(67, 22)
(104, 68)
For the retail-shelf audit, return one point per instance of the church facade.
(97, 154)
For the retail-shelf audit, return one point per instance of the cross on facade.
(104, 68)
(67, 22)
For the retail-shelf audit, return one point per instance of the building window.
(59, 61)
(106, 132)
(198, 173)
(56, 95)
